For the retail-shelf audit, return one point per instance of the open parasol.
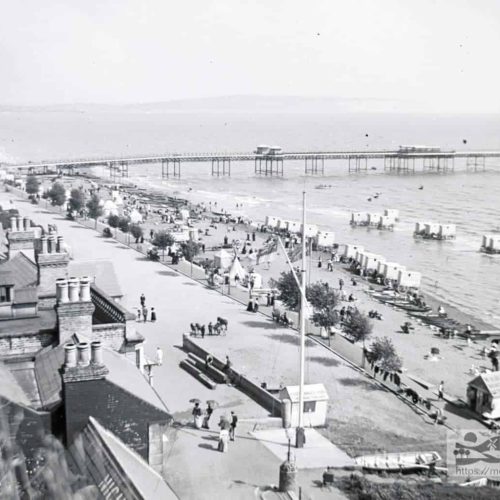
(195, 400)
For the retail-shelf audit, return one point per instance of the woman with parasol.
(197, 417)
(211, 404)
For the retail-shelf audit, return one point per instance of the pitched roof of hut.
(487, 382)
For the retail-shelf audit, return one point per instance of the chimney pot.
(74, 290)
(19, 223)
(60, 244)
(51, 243)
(27, 223)
(96, 348)
(43, 239)
(13, 224)
(83, 354)
(70, 355)
(85, 289)
(62, 291)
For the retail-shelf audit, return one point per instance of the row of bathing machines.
(371, 263)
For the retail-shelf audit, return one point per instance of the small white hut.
(237, 270)
(350, 250)
(483, 394)
(315, 404)
(325, 239)
(223, 259)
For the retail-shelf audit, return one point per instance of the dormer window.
(6, 293)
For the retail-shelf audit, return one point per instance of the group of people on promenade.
(142, 312)
(227, 428)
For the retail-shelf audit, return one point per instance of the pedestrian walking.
(153, 315)
(197, 418)
(341, 284)
(208, 414)
(256, 305)
(441, 390)
(145, 314)
(253, 236)
(138, 315)
(210, 328)
(234, 423)
(202, 330)
(159, 356)
(268, 299)
(143, 300)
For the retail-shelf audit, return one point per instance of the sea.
(454, 272)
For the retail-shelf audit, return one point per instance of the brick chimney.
(21, 238)
(52, 263)
(74, 308)
(83, 377)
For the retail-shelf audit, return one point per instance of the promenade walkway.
(194, 469)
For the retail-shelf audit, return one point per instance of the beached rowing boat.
(395, 462)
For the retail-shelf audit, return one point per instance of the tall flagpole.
(300, 433)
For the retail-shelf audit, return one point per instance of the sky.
(420, 55)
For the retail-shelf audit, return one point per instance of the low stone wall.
(247, 386)
(25, 343)
(110, 334)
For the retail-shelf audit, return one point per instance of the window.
(5, 294)
(309, 406)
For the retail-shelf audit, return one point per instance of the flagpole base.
(300, 437)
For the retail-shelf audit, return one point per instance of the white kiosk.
(315, 404)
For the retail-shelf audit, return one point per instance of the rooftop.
(101, 271)
(489, 382)
(46, 320)
(23, 271)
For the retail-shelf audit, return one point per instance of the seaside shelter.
(483, 394)
(315, 404)
(223, 259)
(237, 270)
(350, 250)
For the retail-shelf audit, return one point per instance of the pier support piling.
(171, 168)
(221, 166)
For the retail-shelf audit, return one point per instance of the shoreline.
(186, 196)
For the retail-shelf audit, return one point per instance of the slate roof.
(487, 382)
(10, 388)
(101, 271)
(148, 482)
(47, 373)
(23, 269)
(46, 320)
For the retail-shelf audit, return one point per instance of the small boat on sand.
(395, 462)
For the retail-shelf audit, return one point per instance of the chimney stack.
(21, 238)
(69, 356)
(60, 244)
(52, 244)
(74, 308)
(52, 264)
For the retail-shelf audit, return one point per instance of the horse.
(221, 324)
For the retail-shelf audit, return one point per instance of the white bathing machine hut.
(392, 213)
(315, 404)
(420, 228)
(359, 218)
(374, 218)
(350, 251)
(371, 261)
(387, 222)
(447, 231)
(431, 230)
(293, 226)
(325, 239)
(409, 279)
(491, 243)
(282, 224)
(359, 256)
(390, 270)
(272, 221)
(311, 230)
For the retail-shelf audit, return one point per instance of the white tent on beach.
(135, 216)
(223, 259)
(237, 270)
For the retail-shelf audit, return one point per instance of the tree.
(76, 200)
(289, 292)
(124, 224)
(136, 232)
(57, 194)
(32, 184)
(190, 249)
(384, 354)
(359, 328)
(324, 300)
(94, 208)
(162, 240)
(113, 221)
